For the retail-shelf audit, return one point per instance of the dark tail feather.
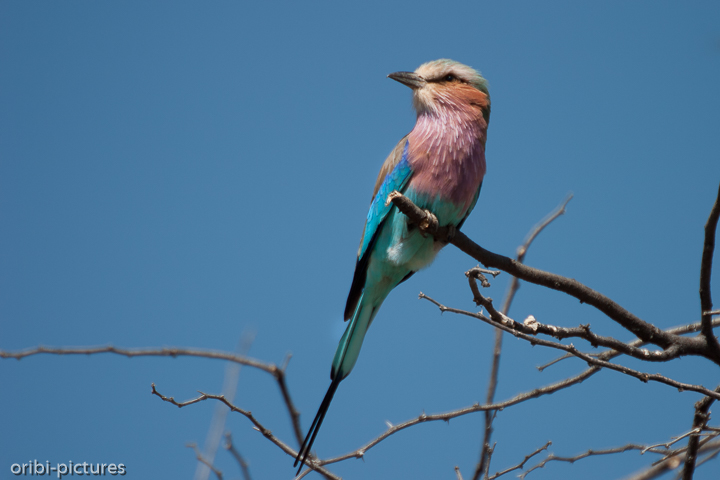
(315, 427)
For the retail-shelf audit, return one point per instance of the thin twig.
(490, 452)
(277, 372)
(532, 327)
(700, 419)
(590, 453)
(706, 303)
(709, 457)
(474, 274)
(143, 352)
(511, 326)
(702, 407)
(256, 424)
(671, 463)
(521, 465)
(205, 461)
(230, 447)
(674, 440)
(679, 330)
(294, 414)
(560, 210)
(484, 462)
(520, 398)
(610, 451)
(217, 424)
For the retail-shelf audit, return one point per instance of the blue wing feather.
(396, 179)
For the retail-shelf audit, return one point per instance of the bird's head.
(446, 84)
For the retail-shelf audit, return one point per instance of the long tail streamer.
(315, 427)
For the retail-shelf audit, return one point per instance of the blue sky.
(184, 173)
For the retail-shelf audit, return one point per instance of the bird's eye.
(449, 78)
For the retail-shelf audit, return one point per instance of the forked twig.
(484, 462)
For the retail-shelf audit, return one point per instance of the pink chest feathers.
(447, 154)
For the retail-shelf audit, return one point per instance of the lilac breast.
(447, 154)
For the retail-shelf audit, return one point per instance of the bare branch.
(521, 465)
(706, 303)
(672, 462)
(700, 420)
(640, 328)
(547, 390)
(661, 448)
(272, 369)
(175, 402)
(230, 447)
(673, 441)
(670, 341)
(485, 449)
(532, 327)
(204, 461)
(256, 425)
(484, 462)
(476, 273)
(143, 352)
(205, 396)
(702, 407)
(589, 453)
(489, 459)
(515, 328)
(520, 398)
(294, 414)
(217, 424)
(560, 210)
(713, 454)
(679, 330)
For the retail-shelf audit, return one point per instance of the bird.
(440, 166)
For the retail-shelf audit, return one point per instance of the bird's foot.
(429, 224)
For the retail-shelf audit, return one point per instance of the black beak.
(411, 79)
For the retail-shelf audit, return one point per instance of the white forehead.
(440, 68)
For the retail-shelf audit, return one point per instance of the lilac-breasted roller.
(440, 166)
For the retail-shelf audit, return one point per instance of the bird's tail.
(345, 357)
(349, 347)
(315, 427)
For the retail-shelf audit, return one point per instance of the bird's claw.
(429, 224)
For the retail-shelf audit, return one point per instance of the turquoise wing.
(396, 179)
